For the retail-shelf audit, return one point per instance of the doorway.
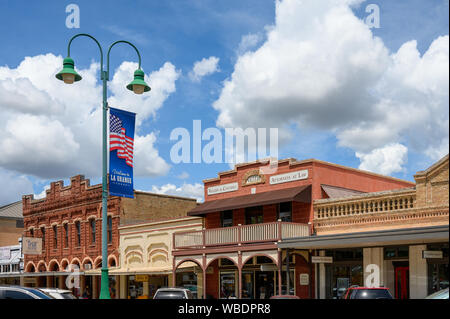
(402, 282)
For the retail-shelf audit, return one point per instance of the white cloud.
(16, 186)
(386, 160)
(183, 175)
(42, 194)
(186, 190)
(320, 67)
(204, 67)
(248, 42)
(52, 130)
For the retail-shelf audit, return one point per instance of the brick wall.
(147, 207)
(9, 233)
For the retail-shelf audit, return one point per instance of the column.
(322, 277)
(118, 285)
(373, 266)
(94, 287)
(239, 275)
(123, 287)
(280, 265)
(145, 290)
(61, 282)
(418, 280)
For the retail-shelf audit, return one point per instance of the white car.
(58, 293)
(173, 293)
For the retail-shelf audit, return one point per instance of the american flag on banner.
(119, 141)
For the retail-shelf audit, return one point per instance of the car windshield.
(67, 295)
(170, 295)
(39, 293)
(373, 294)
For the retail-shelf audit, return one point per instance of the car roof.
(58, 290)
(173, 289)
(368, 288)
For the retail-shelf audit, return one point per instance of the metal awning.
(339, 192)
(297, 194)
(370, 239)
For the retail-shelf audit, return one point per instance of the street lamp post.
(138, 86)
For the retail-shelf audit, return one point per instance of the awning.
(297, 194)
(422, 235)
(339, 192)
(45, 273)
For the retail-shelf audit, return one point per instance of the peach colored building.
(249, 210)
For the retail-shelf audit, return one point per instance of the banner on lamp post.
(121, 145)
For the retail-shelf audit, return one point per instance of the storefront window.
(346, 271)
(291, 283)
(254, 215)
(227, 285)
(401, 252)
(247, 285)
(438, 269)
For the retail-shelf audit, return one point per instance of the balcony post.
(203, 238)
(204, 275)
(280, 237)
(239, 275)
(239, 234)
(280, 266)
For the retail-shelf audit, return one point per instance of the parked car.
(17, 292)
(441, 294)
(58, 293)
(367, 293)
(285, 297)
(173, 293)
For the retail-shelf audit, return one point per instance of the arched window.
(92, 228)
(109, 229)
(55, 236)
(78, 231)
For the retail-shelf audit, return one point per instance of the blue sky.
(185, 32)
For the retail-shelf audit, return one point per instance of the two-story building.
(69, 221)
(249, 210)
(397, 239)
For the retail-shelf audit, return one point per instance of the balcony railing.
(365, 204)
(242, 234)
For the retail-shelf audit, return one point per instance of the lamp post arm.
(109, 50)
(98, 44)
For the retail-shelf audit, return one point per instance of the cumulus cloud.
(52, 130)
(321, 67)
(185, 190)
(386, 160)
(204, 67)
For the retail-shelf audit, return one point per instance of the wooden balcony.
(240, 235)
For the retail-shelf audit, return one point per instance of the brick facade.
(81, 203)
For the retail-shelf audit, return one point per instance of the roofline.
(10, 204)
(159, 221)
(165, 195)
(294, 162)
(432, 167)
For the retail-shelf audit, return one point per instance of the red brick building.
(249, 209)
(69, 221)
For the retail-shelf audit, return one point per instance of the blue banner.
(121, 145)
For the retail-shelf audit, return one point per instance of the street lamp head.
(138, 85)
(68, 73)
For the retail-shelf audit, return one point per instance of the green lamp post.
(138, 86)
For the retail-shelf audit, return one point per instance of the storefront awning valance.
(297, 194)
(405, 236)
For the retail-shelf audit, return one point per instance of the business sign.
(225, 188)
(289, 177)
(31, 246)
(304, 279)
(121, 144)
(5, 253)
(141, 278)
(428, 254)
(321, 260)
